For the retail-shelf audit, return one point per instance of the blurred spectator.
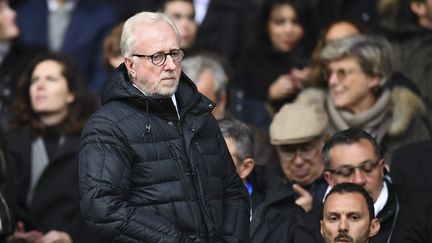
(223, 26)
(411, 167)
(411, 39)
(348, 215)
(239, 139)
(208, 72)
(210, 78)
(298, 131)
(335, 31)
(14, 57)
(354, 156)
(50, 109)
(183, 14)
(272, 68)
(358, 72)
(132, 6)
(111, 48)
(410, 171)
(360, 11)
(6, 222)
(74, 27)
(415, 224)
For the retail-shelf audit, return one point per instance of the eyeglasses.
(306, 151)
(347, 171)
(341, 73)
(159, 58)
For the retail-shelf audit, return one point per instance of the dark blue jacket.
(84, 35)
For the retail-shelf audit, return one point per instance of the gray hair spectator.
(209, 75)
(358, 69)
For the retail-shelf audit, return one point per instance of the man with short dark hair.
(348, 215)
(354, 156)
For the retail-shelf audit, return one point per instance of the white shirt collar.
(53, 5)
(382, 199)
(380, 202)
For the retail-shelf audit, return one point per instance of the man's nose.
(359, 177)
(343, 225)
(169, 64)
(298, 157)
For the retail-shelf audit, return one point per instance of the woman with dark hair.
(50, 108)
(273, 64)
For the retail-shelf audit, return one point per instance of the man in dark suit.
(411, 166)
(410, 171)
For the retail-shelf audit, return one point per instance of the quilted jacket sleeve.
(105, 177)
(236, 202)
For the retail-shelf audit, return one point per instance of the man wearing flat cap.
(298, 131)
(296, 185)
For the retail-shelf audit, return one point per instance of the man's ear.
(246, 168)
(131, 67)
(327, 178)
(374, 227)
(321, 228)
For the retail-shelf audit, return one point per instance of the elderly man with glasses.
(296, 184)
(354, 156)
(154, 166)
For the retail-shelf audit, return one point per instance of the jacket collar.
(120, 88)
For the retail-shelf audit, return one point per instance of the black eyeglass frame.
(181, 54)
(373, 164)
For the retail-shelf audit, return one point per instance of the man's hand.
(21, 236)
(305, 198)
(282, 87)
(54, 236)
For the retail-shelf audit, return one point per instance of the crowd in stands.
(309, 94)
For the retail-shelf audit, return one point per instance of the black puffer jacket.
(145, 176)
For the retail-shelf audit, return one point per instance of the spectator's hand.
(282, 87)
(21, 236)
(54, 236)
(305, 198)
(299, 76)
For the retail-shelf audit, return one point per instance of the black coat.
(308, 226)
(55, 203)
(147, 176)
(275, 218)
(411, 166)
(415, 218)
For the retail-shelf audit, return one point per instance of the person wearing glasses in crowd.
(295, 185)
(353, 155)
(359, 77)
(348, 215)
(154, 166)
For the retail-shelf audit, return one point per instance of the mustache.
(343, 236)
(169, 75)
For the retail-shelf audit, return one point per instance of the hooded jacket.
(148, 176)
